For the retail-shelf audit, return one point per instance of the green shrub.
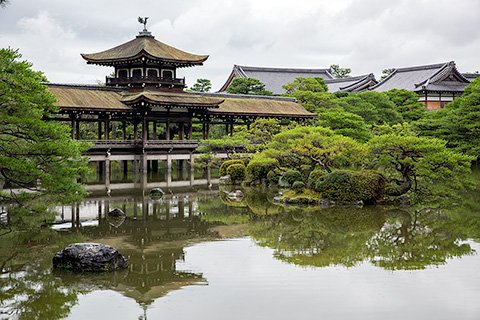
(258, 169)
(245, 160)
(298, 185)
(314, 176)
(236, 171)
(228, 163)
(272, 177)
(346, 185)
(289, 177)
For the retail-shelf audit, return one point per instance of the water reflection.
(154, 234)
(389, 238)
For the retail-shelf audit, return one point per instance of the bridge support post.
(168, 170)
(107, 173)
(123, 169)
(99, 165)
(192, 170)
(135, 170)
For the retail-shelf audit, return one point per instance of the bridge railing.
(144, 144)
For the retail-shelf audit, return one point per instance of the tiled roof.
(170, 99)
(87, 98)
(258, 106)
(433, 77)
(351, 84)
(275, 78)
(98, 99)
(471, 76)
(144, 46)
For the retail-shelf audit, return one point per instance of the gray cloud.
(366, 36)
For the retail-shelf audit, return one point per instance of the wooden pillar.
(168, 170)
(124, 130)
(99, 129)
(107, 172)
(135, 172)
(207, 134)
(181, 207)
(123, 169)
(154, 130)
(192, 169)
(144, 129)
(114, 131)
(77, 129)
(167, 132)
(135, 130)
(74, 126)
(190, 129)
(181, 127)
(203, 131)
(107, 129)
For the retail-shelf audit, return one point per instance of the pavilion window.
(137, 73)
(167, 74)
(122, 74)
(152, 73)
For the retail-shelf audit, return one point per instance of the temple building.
(436, 84)
(275, 78)
(143, 114)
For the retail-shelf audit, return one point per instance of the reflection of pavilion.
(152, 238)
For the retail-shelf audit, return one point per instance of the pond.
(204, 254)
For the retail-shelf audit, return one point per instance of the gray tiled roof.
(428, 77)
(471, 76)
(275, 78)
(351, 84)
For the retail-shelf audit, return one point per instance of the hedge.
(346, 185)
(228, 163)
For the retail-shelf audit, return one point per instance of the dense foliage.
(421, 154)
(458, 123)
(35, 155)
(202, 85)
(347, 185)
(248, 86)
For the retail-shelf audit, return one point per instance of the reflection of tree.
(29, 290)
(319, 237)
(35, 294)
(416, 240)
(346, 235)
(467, 214)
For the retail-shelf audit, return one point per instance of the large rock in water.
(89, 257)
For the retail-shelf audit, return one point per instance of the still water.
(200, 254)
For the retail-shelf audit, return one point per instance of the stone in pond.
(116, 217)
(89, 257)
(156, 193)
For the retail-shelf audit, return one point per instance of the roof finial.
(143, 21)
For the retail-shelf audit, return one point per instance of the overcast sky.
(364, 35)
